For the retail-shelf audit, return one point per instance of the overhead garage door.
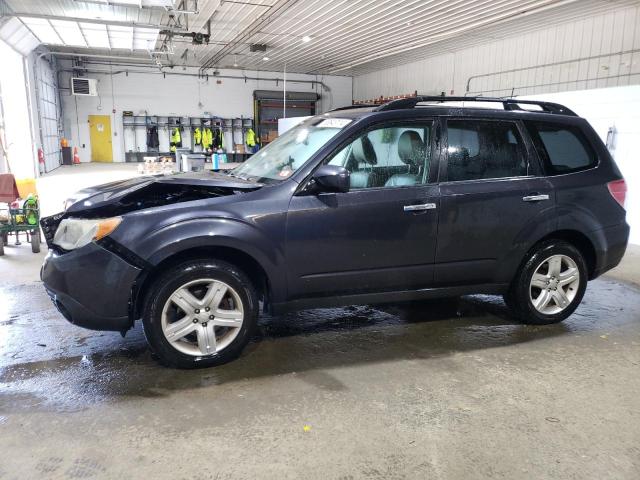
(49, 114)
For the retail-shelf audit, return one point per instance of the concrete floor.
(441, 389)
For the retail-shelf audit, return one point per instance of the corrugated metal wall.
(594, 52)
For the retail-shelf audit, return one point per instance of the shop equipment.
(19, 215)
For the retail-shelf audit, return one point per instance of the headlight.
(74, 233)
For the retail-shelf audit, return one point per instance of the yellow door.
(100, 137)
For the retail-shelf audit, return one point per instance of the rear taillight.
(618, 191)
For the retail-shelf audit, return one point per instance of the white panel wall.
(618, 108)
(568, 46)
(153, 94)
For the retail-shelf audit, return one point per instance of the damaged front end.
(118, 198)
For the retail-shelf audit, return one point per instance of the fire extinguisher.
(41, 164)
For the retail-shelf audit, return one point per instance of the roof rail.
(349, 107)
(507, 103)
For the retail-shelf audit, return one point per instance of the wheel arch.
(246, 262)
(579, 240)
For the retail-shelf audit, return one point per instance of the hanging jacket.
(176, 139)
(152, 137)
(207, 138)
(197, 136)
(250, 138)
(218, 139)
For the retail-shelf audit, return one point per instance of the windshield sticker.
(334, 123)
(285, 172)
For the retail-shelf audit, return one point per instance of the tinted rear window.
(563, 148)
(480, 149)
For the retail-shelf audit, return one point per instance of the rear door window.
(563, 148)
(480, 149)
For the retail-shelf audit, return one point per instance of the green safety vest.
(197, 136)
(251, 138)
(176, 139)
(207, 138)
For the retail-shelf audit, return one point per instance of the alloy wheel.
(554, 284)
(202, 317)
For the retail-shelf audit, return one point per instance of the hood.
(118, 198)
(153, 191)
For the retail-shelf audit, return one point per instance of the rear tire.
(550, 284)
(201, 313)
(2, 242)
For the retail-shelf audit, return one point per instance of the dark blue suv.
(418, 198)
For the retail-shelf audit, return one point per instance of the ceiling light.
(265, 59)
(306, 39)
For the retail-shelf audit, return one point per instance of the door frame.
(302, 189)
(535, 173)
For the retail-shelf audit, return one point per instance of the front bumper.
(91, 287)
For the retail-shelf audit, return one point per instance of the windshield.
(278, 160)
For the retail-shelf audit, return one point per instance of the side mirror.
(331, 178)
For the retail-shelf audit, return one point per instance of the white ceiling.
(348, 37)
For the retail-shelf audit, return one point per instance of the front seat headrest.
(363, 151)
(411, 148)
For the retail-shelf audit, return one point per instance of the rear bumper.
(611, 247)
(91, 287)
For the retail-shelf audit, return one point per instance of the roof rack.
(349, 107)
(507, 103)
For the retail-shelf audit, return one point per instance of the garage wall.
(593, 52)
(617, 108)
(153, 94)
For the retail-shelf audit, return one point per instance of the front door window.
(395, 156)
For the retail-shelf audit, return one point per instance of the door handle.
(418, 208)
(535, 198)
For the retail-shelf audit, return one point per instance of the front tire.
(550, 284)
(200, 314)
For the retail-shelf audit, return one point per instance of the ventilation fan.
(87, 87)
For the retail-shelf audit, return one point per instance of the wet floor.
(452, 388)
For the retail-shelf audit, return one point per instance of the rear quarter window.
(563, 148)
